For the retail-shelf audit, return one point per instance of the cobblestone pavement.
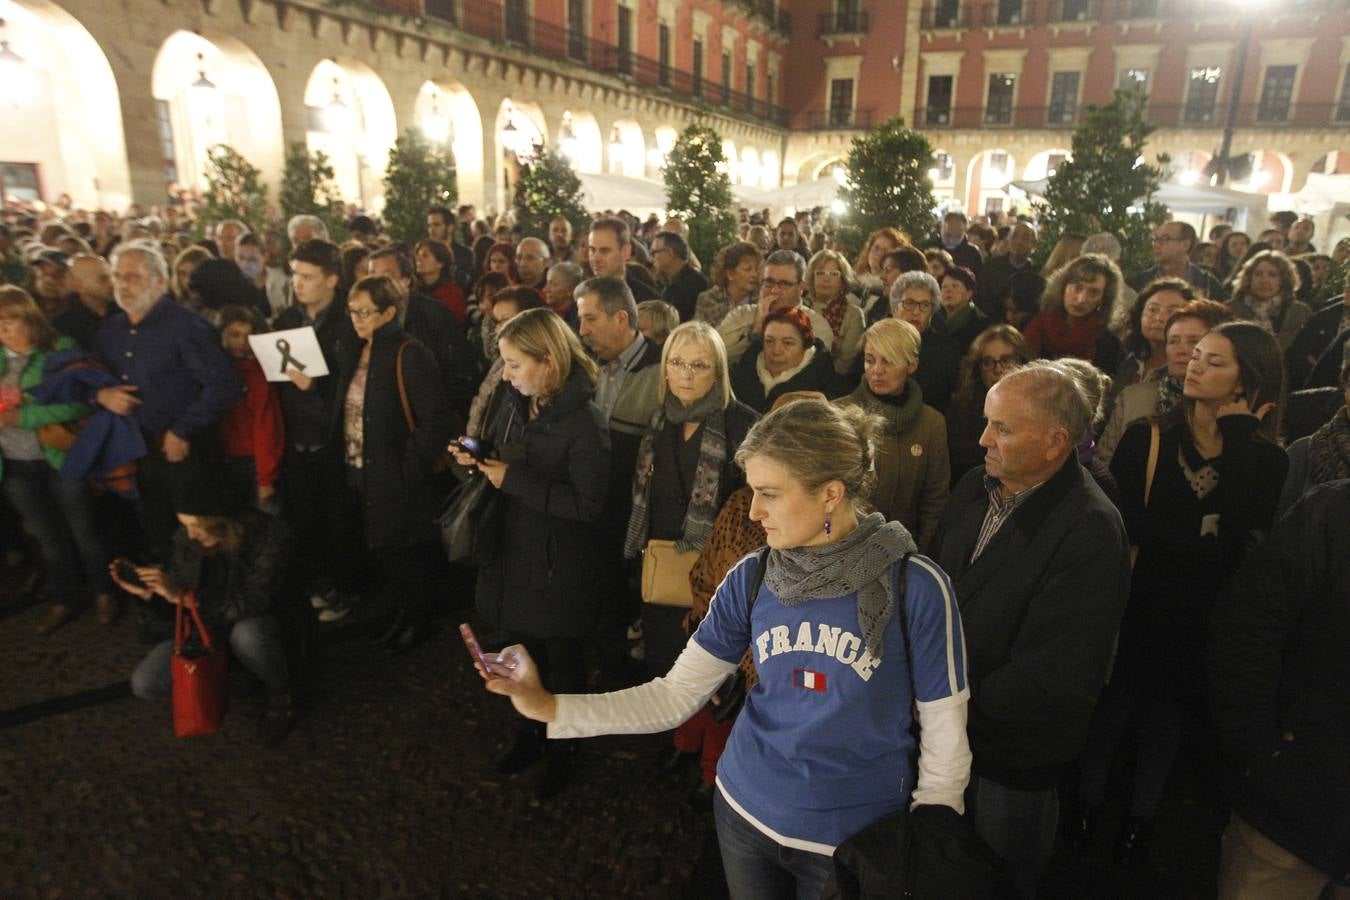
(386, 788)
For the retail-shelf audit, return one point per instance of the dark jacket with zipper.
(1279, 683)
(1040, 608)
(545, 580)
(399, 498)
(255, 573)
(818, 375)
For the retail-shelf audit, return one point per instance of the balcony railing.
(826, 119)
(938, 14)
(551, 40)
(1250, 116)
(850, 21)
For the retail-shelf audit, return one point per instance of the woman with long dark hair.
(998, 350)
(1075, 311)
(1197, 484)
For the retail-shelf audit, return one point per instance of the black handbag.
(471, 522)
(931, 851)
(731, 694)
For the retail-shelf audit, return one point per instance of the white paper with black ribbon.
(294, 348)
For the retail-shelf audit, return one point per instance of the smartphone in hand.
(127, 572)
(473, 447)
(475, 651)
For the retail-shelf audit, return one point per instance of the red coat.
(253, 427)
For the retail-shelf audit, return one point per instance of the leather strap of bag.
(403, 388)
(1154, 440)
(181, 628)
(759, 583)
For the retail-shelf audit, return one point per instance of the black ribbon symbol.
(284, 348)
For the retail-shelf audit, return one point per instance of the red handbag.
(198, 675)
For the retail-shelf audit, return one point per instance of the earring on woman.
(827, 526)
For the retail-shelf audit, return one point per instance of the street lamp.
(16, 78)
(434, 125)
(337, 116)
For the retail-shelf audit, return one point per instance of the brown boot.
(57, 615)
(107, 608)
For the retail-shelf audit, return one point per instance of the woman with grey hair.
(823, 747)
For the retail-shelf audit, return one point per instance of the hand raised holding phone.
(512, 673)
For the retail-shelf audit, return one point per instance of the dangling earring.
(827, 526)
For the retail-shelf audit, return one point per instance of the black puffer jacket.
(818, 375)
(399, 497)
(1279, 682)
(257, 571)
(545, 579)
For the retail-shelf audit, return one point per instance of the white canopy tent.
(1194, 199)
(640, 196)
(821, 192)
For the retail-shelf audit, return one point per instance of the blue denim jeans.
(1018, 825)
(59, 515)
(760, 868)
(256, 643)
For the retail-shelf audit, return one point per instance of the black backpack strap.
(902, 611)
(763, 555)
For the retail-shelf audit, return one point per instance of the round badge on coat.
(916, 449)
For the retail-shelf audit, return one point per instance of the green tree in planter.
(699, 191)
(548, 188)
(308, 188)
(888, 185)
(419, 176)
(1106, 186)
(234, 190)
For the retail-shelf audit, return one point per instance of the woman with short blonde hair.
(545, 338)
(913, 471)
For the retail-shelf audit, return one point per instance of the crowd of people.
(963, 526)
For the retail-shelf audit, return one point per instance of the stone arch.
(987, 175)
(446, 113)
(351, 119)
(770, 170)
(749, 170)
(663, 138)
(518, 127)
(76, 146)
(627, 149)
(1041, 164)
(579, 141)
(215, 90)
(1272, 173)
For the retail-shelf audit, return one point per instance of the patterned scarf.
(1169, 395)
(1265, 311)
(702, 510)
(860, 562)
(834, 312)
(1329, 450)
(488, 332)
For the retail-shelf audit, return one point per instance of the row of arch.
(213, 89)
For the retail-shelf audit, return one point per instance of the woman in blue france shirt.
(824, 746)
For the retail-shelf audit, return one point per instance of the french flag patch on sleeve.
(808, 680)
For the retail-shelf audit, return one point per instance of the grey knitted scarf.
(859, 562)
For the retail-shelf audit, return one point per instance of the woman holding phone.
(552, 468)
(823, 747)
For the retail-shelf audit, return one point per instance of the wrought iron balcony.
(850, 21)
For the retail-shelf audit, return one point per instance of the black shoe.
(1082, 826)
(557, 772)
(278, 721)
(1132, 848)
(700, 799)
(524, 752)
(673, 760)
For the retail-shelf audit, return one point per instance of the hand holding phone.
(475, 651)
(471, 446)
(127, 572)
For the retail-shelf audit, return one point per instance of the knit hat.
(963, 275)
